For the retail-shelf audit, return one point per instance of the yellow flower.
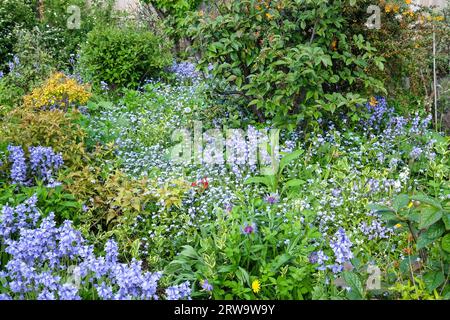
(269, 16)
(410, 205)
(398, 225)
(408, 12)
(387, 9)
(256, 286)
(408, 1)
(373, 101)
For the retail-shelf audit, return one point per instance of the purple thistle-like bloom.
(249, 228)
(272, 198)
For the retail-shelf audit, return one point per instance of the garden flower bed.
(272, 167)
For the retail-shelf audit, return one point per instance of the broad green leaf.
(446, 242)
(352, 280)
(293, 183)
(433, 279)
(289, 158)
(428, 216)
(400, 202)
(190, 252)
(446, 219)
(430, 235)
(428, 200)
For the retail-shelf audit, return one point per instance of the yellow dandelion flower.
(387, 9)
(398, 225)
(256, 286)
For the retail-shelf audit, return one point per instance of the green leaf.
(446, 243)
(259, 180)
(446, 219)
(433, 280)
(243, 276)
(352, 280)
(190, 252)
(430, 235)
(279, 261)
(70, 204)
(378, 207)
(386, 213)
(428, 216)
(400, 202)
(428, 200)
(293, 183)
(289, 158)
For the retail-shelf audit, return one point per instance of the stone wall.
(126, 5)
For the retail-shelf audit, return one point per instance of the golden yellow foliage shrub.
(58, 92)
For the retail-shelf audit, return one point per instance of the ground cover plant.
(224, 150)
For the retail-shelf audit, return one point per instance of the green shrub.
(287, 58)
(123, 57)
(173, 15)
(63, 40)
(13, 14)
(29, 66)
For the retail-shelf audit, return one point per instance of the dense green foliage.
(357, 205)
(288, 58)
(123, 57)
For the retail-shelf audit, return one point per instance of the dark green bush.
(291, 60)
(123, 57)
